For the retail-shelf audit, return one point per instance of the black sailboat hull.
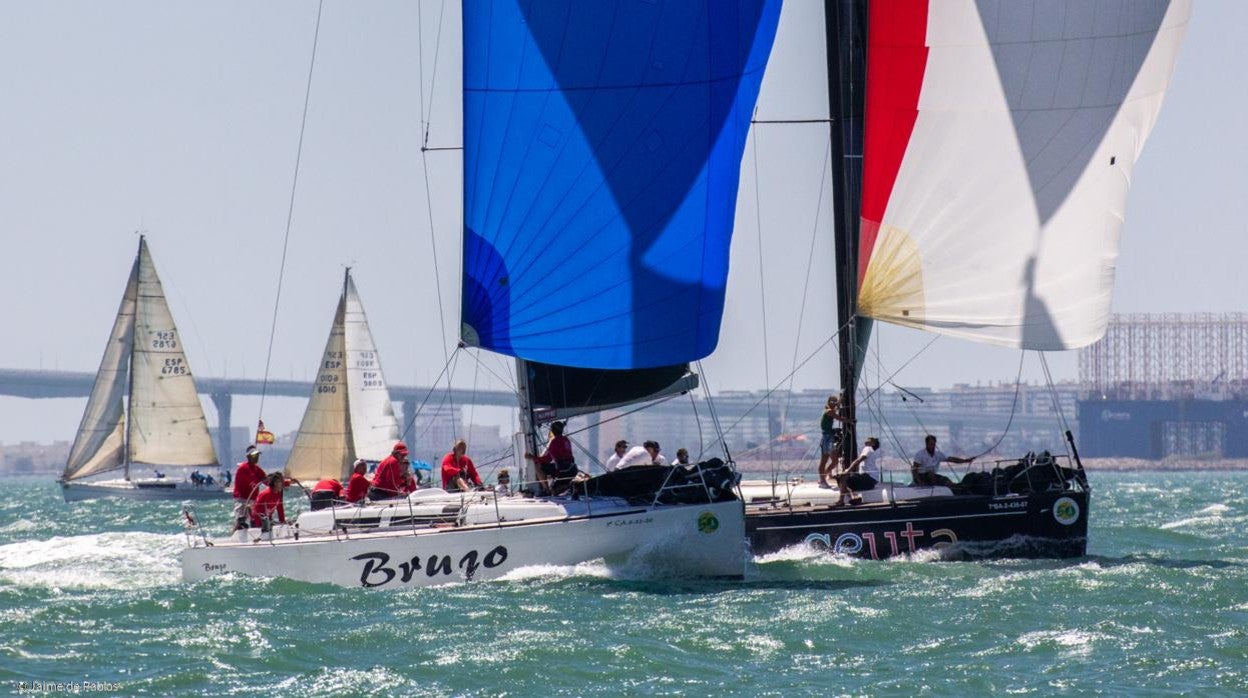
(1046, 524)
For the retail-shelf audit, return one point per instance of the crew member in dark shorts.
(325, 494)
(830, 439)
(247, 481)
(861, 475)
(557, 466)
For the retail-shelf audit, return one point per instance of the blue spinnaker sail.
(602, 153)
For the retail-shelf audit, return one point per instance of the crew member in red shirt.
(557, 466)
(459, 473)
(325, 493)
(247, 480)
(407, 479)
(357, 486)
(388, 480)
(268, 506)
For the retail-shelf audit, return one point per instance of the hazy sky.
(183, 119)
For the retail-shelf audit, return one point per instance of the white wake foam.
(100, 561)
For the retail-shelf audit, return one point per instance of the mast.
(846, 33)
(527, 427)
(138, 262)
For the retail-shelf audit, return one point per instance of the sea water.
(91, 597)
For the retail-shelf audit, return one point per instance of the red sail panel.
(896, 59)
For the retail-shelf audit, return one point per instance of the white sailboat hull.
(145, 489)
(698, 540)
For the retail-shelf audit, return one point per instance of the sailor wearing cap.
(247, 480)
(388, 480)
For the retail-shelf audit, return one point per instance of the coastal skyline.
(183, 120)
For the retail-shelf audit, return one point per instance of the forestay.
(1000, 139)
(602, 151)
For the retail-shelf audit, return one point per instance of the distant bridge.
(39, 384)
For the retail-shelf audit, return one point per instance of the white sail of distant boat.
(349, 414)
(144, 411)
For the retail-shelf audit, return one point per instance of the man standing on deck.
(247, 480)
(928, 460)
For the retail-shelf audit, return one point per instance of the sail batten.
(999, 143)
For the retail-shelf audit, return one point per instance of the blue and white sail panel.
(602, 152)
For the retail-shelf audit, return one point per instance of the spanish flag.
(262, 435)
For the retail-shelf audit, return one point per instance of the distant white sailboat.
(349, 413)
(144, 412)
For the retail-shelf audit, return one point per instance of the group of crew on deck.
(258, 495)
(863, 473)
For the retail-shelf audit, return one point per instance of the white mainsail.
(166, 425)
(349, 414)
(100, 443)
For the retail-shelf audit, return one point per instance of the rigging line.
(593, 459)
(472, 409)
(433, 83)
(697, 420)
(1057, 405)
(710, 405)
(189, 316)
(810, 263)
(646, 406)
(433, 245)
(799, 367)
(425, 114)
(876, 410)
(481, 364)
(411, 419)
(290, 211)
(1013, 408)
(893, 375)
(879, 367)
(762, 292)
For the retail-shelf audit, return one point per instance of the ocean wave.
(99, 561)
(1068, 642)
(805, 553)
(595, 569)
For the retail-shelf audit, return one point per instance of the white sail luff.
(99, 445)
(166, 425)
(374, 428)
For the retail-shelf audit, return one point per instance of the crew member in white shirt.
(862, 474)
(927, 461)
(613, 463)
(646, 454)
